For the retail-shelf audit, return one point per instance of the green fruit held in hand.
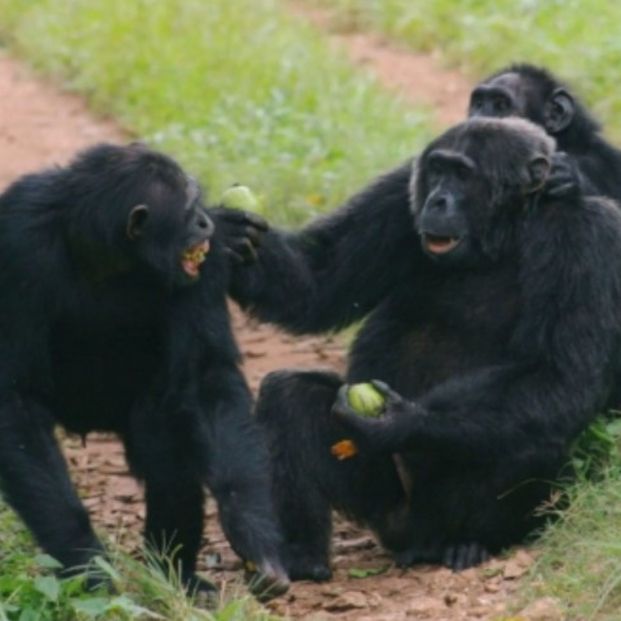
(240, 197)
(365, 400)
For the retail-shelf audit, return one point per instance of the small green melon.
(240, 197)
(366, 400)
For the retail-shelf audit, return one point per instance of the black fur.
(102, 329)
(533, 92)
(500, 352)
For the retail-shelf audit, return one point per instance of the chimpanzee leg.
(171, 468)
(295, 409)
(35, 480)
(238, 476)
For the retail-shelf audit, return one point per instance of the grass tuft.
(146, 589)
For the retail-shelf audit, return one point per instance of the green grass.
(578, 39)
(239, 91)
(30, 590)
(580, 556)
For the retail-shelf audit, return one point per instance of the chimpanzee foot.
(267, 580)
(463, 555)
(303, 566)
(418, 555)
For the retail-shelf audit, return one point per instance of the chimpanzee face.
(171, 231)
(471, 179)
(504, 95)
(514, 94)
(450, 178)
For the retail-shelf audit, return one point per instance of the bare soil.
(419, 79)
(41, 126)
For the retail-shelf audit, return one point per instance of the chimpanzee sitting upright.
(492, 312)
(537, 95)
(113, 317)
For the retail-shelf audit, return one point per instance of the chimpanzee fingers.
(254, 235)
(341, 405)
(557, 191)
(391, 396)
(235, 258)
(464, 555)
(248, 250)
(256, 221)
(242, 250)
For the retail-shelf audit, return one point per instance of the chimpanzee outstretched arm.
(199, 431)
(236, 463)
(336, 269)
(559, 361)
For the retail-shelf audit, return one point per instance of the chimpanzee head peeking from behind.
(155, 220)
(535, 94)
(475, 176)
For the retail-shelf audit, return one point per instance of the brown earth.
(40, 126)
(417, 78)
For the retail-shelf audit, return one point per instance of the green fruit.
(240, 197)
(365, 400)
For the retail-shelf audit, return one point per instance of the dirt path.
(417, 78)
(40, 126)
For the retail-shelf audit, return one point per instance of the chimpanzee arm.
(202, 416)
(336, 269)
(560, 363)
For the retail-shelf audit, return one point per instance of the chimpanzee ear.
(136, 220)
(558, 111)
(537, 172)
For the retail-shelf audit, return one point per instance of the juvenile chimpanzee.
(492, 312)
(537, 95)
(113, 317)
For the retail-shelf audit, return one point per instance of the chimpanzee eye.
(463, 172)
(501, 104)
(434, 168)
(476, 102)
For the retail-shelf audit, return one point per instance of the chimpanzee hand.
(564, 179)
(240, 232)
(378, 434)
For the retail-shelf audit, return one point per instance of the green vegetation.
(580, 554)
(30, 591)
(578, 39)
(239, 91)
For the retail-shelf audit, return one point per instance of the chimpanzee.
(491, 311)
(113, 317)
(537, 95)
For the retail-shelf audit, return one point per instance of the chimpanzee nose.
(440, 202)
(205, 224)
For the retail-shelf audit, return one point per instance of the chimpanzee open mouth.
(439, 244)
(193, 257)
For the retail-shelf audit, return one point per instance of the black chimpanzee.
(537, 95)
(113, 317)
(492, 311)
